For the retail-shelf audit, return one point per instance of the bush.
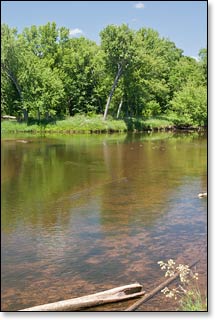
(190, 105)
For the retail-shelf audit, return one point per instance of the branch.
(156, 290)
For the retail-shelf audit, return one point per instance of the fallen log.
(113, 295)
(149, 295)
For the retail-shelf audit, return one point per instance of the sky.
(183, 22)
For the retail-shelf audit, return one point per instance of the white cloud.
(139, 5)
(75, 32)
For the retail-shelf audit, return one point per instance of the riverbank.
(95, 124)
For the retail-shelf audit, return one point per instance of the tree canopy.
(46, 73)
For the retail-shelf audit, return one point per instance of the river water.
(86, 213)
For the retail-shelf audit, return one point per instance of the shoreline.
(95, 125)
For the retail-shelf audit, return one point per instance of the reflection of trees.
(37, 174)
(154, 168)
(9, 165)
(45, 179)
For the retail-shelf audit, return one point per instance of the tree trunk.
(118, 75)
(38, 112)
(25, 115)
(119, 108)
(133, 290)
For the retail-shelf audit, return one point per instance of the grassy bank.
(87, 124)
(76, 124)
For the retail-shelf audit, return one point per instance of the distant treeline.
(46, 74)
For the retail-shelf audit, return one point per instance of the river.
(86, 213)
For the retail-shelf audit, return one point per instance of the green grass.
(93, 124)
(193, 301)
(141, 124)
(87, 124)
(76, 124)
(14, 126)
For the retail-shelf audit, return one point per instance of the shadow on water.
(82, 214)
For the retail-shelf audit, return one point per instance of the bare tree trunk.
(118, 75)
(119, 108)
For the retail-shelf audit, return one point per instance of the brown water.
(82, 214)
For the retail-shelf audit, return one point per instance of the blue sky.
(184, 22)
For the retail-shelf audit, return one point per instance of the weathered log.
(113, 295)
(156, 290)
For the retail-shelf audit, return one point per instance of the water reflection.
(85, 213)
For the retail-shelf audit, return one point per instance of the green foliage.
(203, 62)
(82, 76)
(193, 301)
(10, 65)
(185, 69)
(146, 85)
(117, 42)
(47, 74)
(190, 104)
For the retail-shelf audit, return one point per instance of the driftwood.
(202, 195)
(113, 295)
(149, 295)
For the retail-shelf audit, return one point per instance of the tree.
(203, 62)
(27, 60)
(43, 41)
(146, 89)
(189, 92)
(81, 66)
(132, 73)
(190, 104)
(186, 68)
(43, 89)
(10, 60)
(117, 42)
